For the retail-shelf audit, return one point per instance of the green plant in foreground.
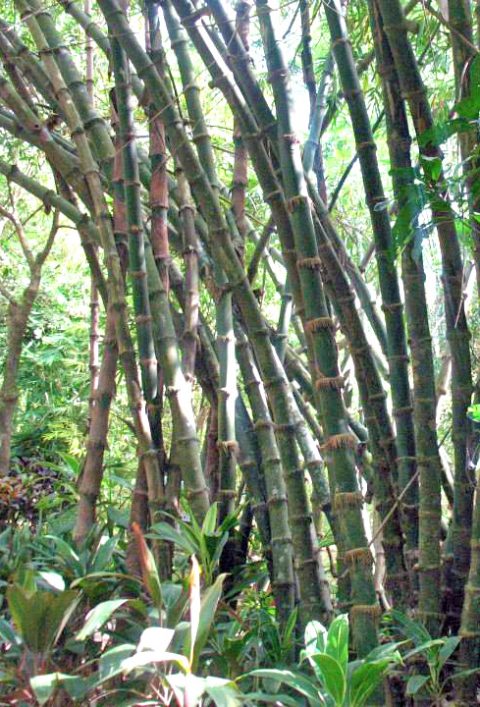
(336, 681)
(437, 654)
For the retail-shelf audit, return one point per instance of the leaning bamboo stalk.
(319, 326)
(470, 623)
(226, 442)
(277, 385)
(424, 399)
(116, 286)
(283, 583)
(94, 125)
(92, 471)
(388, 279)
(357, 335)
(414, 93)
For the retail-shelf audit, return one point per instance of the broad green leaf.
(40, 617)
(209, 524)
(139, 660)
(315, 637)
(110, 663)
(333, 677)
(98, 616)
(415, 683)
(300, 683)
(188, 688)
(223, 692)
(45, 685)
(449, 647)
(165, 531)
(52, 580)
(155, 638)
(208, 608)
(337, 641)
(365, 680)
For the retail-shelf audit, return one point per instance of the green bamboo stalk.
(470, 623)
(388, 279)
(115, 284)
(136, 247)
(319, 326)
(461, 28)
(458, 336)
(312, 593)
(92, 470)
(424, 399)
(224, 321)
(93, 123)
(283, 583)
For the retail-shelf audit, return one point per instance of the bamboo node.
(277, 73)
(372, 610)
(197, 492)
(290, 138)
(340, 40)
(400, 412)
(263, 424)
(272, 194)
(334, 383)
(345, 440)
(277, 498)
(358, 556)
(270, 382)
(319, 323)
(366, 144)
(347, 298)
(392, 306)
(228, 446)
(295, 201)
(407, 95)
(398, 357)
(143, 318)
(347, 499)
(138, 274)
(227, 493)
(286, 427)
(313, 263)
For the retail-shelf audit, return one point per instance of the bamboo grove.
(325, 415)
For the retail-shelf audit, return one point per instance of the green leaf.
(365, 680)
(40, 617)
(415, 683)
(333, 677)
(44, 686)
(300, 683)
(98, 616)
(447, 649)
(223, 692)
(139, 660)
(165, 531)
(209, 524)
(155, 638)
(315, 637)
(337, 641)
(208, 608)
